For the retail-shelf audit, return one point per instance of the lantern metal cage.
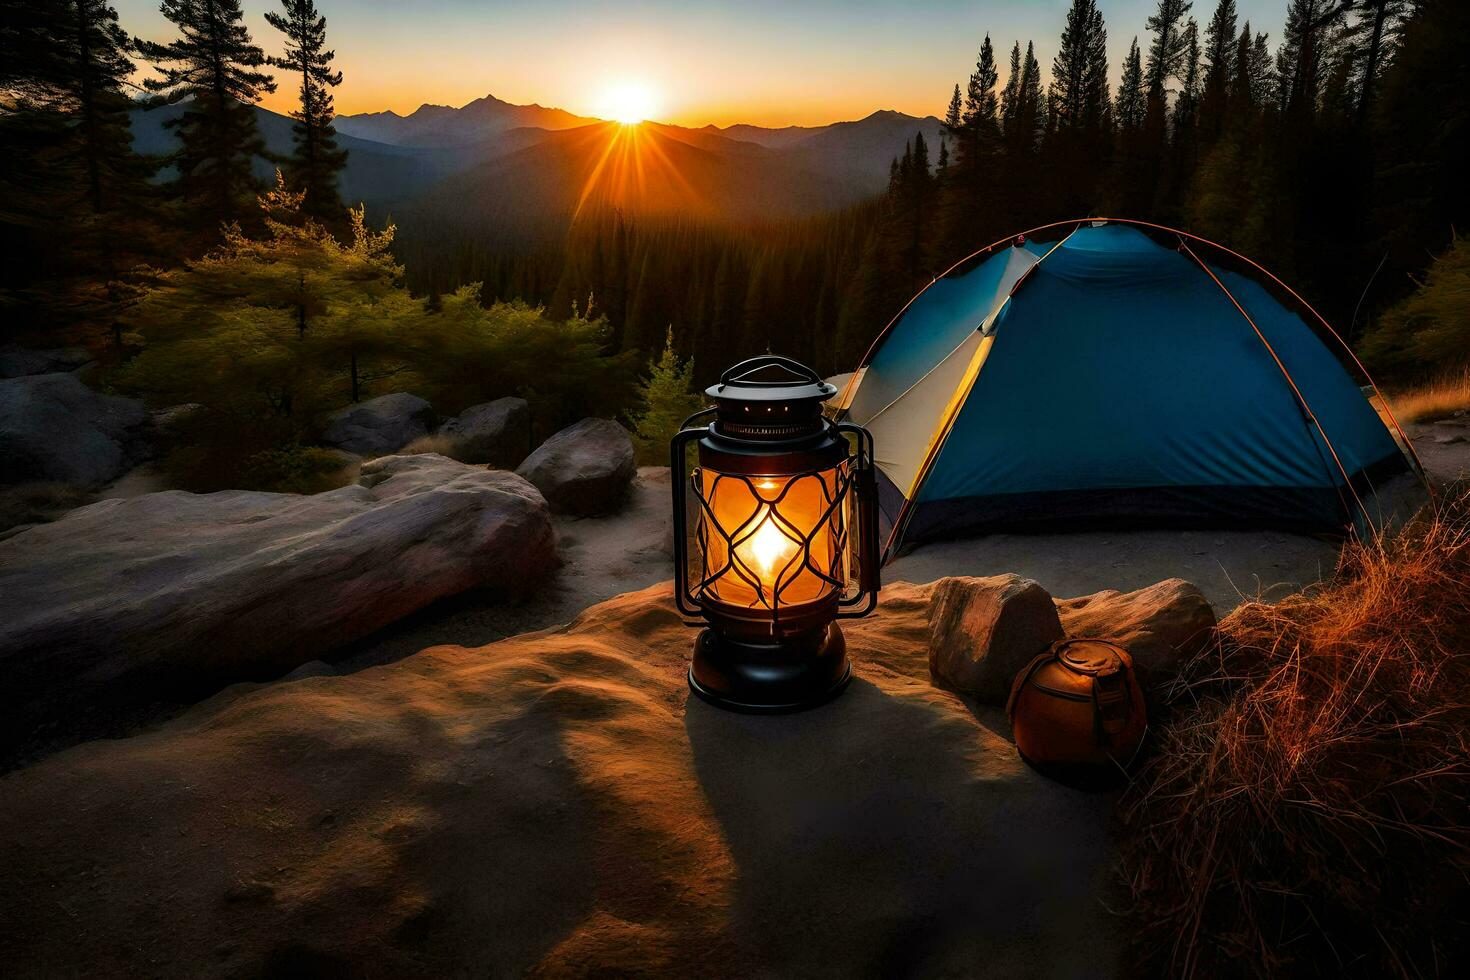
(783, 503)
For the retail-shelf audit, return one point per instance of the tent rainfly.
(1109, 372)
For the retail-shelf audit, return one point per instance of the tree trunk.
(89, 110)
(1375, 51)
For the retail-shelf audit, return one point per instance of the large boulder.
(496, 432)
(982, 631)
(557, 804)
(585, 468)
(55, 429)
(17, 362)
(192, 590)
(379, 425)
(1160, 626)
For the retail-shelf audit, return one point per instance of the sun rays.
(634, 168)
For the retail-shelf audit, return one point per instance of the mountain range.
(493, 164)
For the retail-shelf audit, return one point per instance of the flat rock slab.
(556, 803)
(200, 589)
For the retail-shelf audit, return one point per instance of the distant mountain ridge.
(493, 165)
(650, 170)
(441, 125)
(856, 152)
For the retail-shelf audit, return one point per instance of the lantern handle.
(738, 373)
(678, 468)
(865, 485)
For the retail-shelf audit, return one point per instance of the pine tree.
(976, 143)
(1373, 39)
(1186, 107)
(1219, 65)
(1166, 51)
(1303, 56)
(1078, 142)
(316, 161)
(267, 333)
(1132, 181)
(980, 103)
(1183, 151)
(1131, 92)
(919, 202)
(1080, 70)
(668, 398)
(78, 211)
(95, 50)
(1029, 113)
(1422, 151)
(1010, 95)
(1248, 79)
(954, 115)
(212, 66)
(1259, 68)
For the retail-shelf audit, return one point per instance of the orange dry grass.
(1435, 400)
(1308, 808)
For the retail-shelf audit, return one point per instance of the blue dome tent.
(1110, 372)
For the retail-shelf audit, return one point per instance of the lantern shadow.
(889, 835)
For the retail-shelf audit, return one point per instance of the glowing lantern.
(785, 538)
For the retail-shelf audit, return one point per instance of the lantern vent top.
(770, 397)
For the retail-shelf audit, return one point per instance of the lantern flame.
(770, 548)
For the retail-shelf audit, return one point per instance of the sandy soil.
(556, 803)
(609, 555)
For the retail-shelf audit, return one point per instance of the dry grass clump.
(1307, 811)
(1435, 400)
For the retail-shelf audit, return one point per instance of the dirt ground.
(556, 804)
(605, 556)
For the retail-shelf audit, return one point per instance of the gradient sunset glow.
(766, 62)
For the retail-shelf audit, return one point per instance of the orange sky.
(772, 62)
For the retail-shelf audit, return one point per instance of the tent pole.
(956, 402)
(1308, 416)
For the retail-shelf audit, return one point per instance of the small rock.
(496, 432)
(18, 362)
(983, 631)
(1449, 439)
(312, 668)
(1160, 626)
(55, 429)
(380, 425)
(584, 469)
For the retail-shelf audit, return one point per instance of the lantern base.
(770, 678)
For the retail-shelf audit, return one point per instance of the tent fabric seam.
(957, 399)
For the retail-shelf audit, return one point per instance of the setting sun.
(631, 102)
